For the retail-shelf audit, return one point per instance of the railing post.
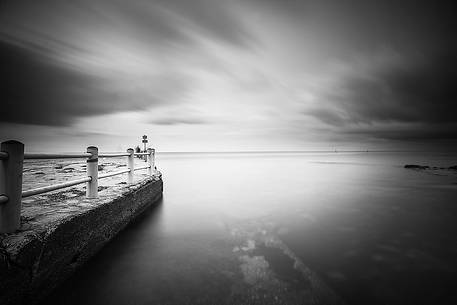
(151, 161)
(92, 171)
(11, 186)
(130, 165)
(154, 160)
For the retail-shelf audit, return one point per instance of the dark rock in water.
(454, 167)
(58, 166)
(101, 167)
(415, 166)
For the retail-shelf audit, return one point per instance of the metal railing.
(56, 156)
(11, 167)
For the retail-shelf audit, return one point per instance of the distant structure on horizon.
(145, 141)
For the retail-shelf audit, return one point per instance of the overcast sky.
(228, 75)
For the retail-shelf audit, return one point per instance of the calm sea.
(235, 226)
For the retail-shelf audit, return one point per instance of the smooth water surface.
(370, 230)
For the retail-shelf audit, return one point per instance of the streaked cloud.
(88, 58)
(418, 92)
(254, 74)
(178, 121)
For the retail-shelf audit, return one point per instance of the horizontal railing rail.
(141, 154)
(12, 156)
(55, 156)
(113, 155)
(50, 188)
(113, 174)
(38, 156)
(141, 167)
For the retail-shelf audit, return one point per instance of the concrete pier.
(59, 234)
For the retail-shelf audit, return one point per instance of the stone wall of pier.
(58, 235)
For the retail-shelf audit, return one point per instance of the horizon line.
(268, 151)
(284, 151)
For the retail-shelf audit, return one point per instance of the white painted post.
(145, 140)
(153, 160)
(130, 165)
(150, 161)
(92, 171)
(11, 186)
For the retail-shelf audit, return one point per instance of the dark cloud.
(423, 92)
(427, 92)
(419, 91)
(363, 24)
(428, 132)
(156, 24)
(38, 90)
(55, 55)
(328, 116)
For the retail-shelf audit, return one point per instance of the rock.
(454, 167)
(58, 166)
(415, 166)
(101, 167)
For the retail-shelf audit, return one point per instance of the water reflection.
(236, 227)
